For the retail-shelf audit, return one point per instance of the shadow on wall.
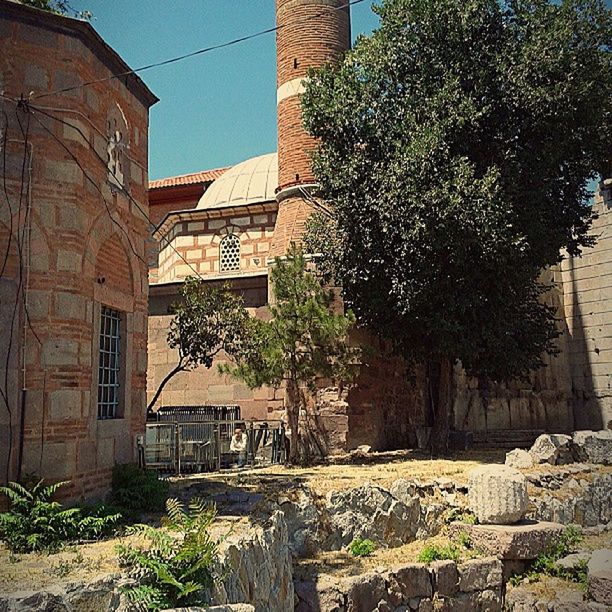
(10, 421)
(585, 401)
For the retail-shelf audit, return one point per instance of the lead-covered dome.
(249, 182)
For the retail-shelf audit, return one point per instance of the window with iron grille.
(229, 253)
(109, 369)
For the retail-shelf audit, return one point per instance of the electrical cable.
(5, 391)
(202, 51)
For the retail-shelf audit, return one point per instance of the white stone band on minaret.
(295, 87)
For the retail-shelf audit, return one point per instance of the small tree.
(207, 321)
(456, 148)
(302, 341)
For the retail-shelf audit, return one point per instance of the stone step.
(505, 438)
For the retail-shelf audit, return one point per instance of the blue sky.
(216, 109)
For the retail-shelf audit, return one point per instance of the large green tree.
(457, 143)
(303, 340)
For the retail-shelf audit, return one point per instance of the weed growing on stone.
(546, 563)
(460, 548)
(360, 547)
(438, 552)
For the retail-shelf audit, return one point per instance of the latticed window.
(109, 370)
(229, 253)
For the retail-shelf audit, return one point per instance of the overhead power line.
(202, 51)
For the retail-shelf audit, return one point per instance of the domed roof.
(249, 182)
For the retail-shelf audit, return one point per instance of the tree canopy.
(457, 143)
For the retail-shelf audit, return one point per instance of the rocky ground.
(402, 501)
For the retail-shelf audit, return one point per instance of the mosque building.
(227, 224)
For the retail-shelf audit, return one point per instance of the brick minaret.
(311, 33)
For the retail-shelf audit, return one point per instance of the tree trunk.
(179, 368)
(442, 408)
(293, 420)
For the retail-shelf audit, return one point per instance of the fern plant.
(176, 567)
(35, 522)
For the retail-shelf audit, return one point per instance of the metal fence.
(208, 412)
(181, 447)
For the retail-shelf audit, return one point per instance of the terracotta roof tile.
(204, 176)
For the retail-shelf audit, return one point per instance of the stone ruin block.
(594, 446)
(599, 572)
(497, 494)
(522, 542)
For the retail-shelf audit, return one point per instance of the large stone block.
(65, 404)
(365, 592)
(446, 577)
(519, 459)
(480, 575)
(552, 448)
(512, 542)
(497, 494)
(409, 581)
(594, 446)
(599, 572)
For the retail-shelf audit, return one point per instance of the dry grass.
(379, 468)
(341, 563)
(82, 563)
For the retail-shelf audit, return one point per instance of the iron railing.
(181, 447)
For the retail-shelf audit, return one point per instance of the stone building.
(73, 292)
(254, 210)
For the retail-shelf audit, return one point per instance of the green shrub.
(137, 490)
(439, 552)
(176, 568)
(34, 522)
(361, 548)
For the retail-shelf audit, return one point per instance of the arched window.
(229, 253)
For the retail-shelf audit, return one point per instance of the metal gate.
(181, 447)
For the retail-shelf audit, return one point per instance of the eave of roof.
(88, 35)
(165, 287)
(193, 178)
(195, 214)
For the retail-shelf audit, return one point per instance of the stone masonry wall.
(541, 403)
(86, 248)
(587, 283)
(444, 585)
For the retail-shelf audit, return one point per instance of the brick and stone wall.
(198, 241)
(203, 386)
(85, 248)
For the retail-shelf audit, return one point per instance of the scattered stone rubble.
(405, 512)
(560, 449)
(534, 506)
(100, 594)
(599, 588)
